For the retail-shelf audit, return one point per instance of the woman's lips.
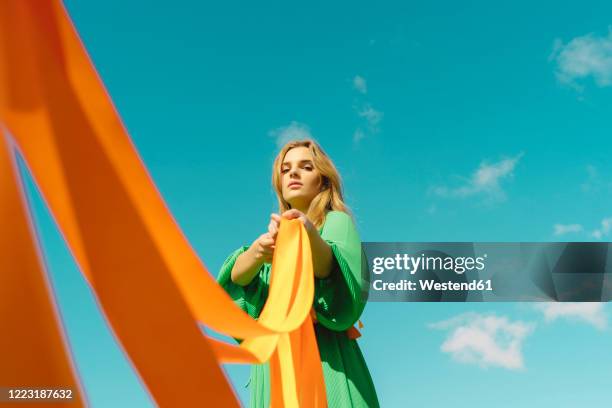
(295, 186)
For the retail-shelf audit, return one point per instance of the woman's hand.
(296, 214)
(275, 220)
(322, 256)
(263, 247)
(260, 251)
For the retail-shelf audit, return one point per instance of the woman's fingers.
(296, 214)
(272, 229)
(274, 225)
(265, 247)
(267, 241)
(293, 213)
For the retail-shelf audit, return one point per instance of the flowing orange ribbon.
(150, 284)
(352, 332)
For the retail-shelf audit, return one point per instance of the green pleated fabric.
(339, 301)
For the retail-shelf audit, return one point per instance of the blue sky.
(448, 122)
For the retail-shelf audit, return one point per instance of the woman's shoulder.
(335, 219)
(336, 215)
(340, 227)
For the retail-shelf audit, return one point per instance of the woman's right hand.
(261, 251)
(263, 247)
(274, 225)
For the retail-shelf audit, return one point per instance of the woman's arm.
(322, 256)
(250, 261)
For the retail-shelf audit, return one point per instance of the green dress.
(339, 300)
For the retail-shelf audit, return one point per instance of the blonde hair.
(330, 196)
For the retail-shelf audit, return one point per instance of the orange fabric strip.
(151, 286)
(33, 349)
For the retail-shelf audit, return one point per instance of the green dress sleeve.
(341, 297)
(249, 298)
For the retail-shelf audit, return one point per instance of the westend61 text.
(430, 284)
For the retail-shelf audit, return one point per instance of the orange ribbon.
(150, 284)
(351, 332)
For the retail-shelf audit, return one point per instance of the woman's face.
(300, 180)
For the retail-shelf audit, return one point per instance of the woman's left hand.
(297, 214)
(321, 251)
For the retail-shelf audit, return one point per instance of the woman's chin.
(293, 197)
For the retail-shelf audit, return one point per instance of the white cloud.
(294, 131)
(599, 233)
(372, 120)
(582, 57)
(485, 340)
(603, 230)
(364, 110)
(588, 312)
(358, 135)
(372, 116)
(486, 179)
(562, 229)
(359, 83)
(596, 182)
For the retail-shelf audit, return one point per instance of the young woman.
(308, 188)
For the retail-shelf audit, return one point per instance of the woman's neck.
(302, 210)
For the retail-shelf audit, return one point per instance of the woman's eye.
(284, 171)
(308, 167)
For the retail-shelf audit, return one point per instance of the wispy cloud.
(595, 182)
(372, 116)
(359, 83)
(485, 180)
(582, 57)
(587, 312)
(485, 340)
(603, 230)
(358, 135)
(562, 229)
(294, 130)
(369, 116)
